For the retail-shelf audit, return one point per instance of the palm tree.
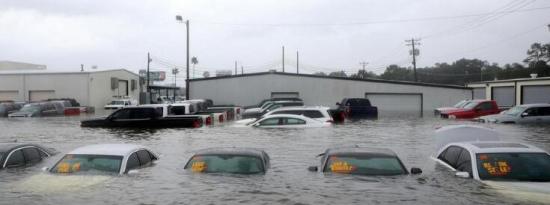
(194, 61)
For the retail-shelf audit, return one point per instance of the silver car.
(528, 113)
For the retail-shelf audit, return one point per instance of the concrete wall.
(516, 83)
(249, 90)
(100, 86)
(65, 85)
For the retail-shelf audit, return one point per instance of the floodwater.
(287, 182)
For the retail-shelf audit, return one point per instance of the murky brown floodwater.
(288, 182)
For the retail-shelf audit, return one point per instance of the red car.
(476, 108)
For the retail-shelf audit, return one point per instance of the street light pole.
(180, 19)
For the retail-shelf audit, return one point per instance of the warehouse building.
(89, 88)
(513, 92)
(388, 96)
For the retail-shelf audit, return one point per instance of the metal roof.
(510, 80)
(48, 72)
(335, 78)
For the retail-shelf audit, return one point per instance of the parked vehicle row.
(49, 107)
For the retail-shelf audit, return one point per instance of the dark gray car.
(22, 154)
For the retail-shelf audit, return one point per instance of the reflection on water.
(287, 182)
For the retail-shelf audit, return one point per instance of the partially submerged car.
(474, 109)
(527, 113)
(22, 154)
(362, 161)
(287, 121)
(9, 107)
(39, 109)
(105, 158)
(269, 106)
(517, 168)
(229, 160)
(460, 104)
(314, 112)
(143, 117)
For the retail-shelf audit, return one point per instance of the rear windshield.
(73, 163)
(235, 164)
(365, 165)
(514, 166)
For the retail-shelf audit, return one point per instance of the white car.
(287, 121)
(314, 112)
(105, 158)
(527, 113)
(120, 103)
(515, 169)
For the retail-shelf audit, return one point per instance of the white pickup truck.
(181, 109)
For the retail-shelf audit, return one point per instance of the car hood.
(530, 191)
(497, 118)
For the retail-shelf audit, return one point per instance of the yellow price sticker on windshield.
(501, 169)
(63, 168)
(198, 167)
(341, 167)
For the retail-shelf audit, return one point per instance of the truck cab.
(355, 108)
(476, 108)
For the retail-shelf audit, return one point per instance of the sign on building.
(153, 75)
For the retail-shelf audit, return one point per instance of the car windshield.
(235, 164)
(515, 111)
(30, 108)
(470, 105)
(460, 104)
(265, 105)
(73, 163)
(514, 166)
(365, 165)
(116, 102)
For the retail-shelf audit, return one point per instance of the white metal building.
(513, 92)
(89, 88)
(250, 89)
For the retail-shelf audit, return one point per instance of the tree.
(320, 73)
(338, 74)
(363, 74)
(194, 61)
(538, 52)
(206, 74)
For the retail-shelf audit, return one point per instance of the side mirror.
(312, 169)
(416, 170)
(133, 171)
(462, 174)
(45, 169)
(524, 114)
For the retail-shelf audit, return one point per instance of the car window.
(313, 114)
(464, 162)
(292, 112)
(72, 163)
(43, 154)
(144, 157)
(294, 121)
(364, 165)
(450, 155)
(544, 111)
(485, 106)
(237, 164)
(141, 113)
(191, 109)
(532, 111)
(31, 155)
(16, 159)
(133, 162)
(272, 121)
(122, 114)
(531, 167)
(177, 110)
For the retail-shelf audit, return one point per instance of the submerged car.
(460, 104)
(229, 160)
(38, 109)
(22, 155)
(512, 167)
(287, 121)
(474, 109)
(362, 161)
(9, 107)
(314, 112)
(527, 113)
(105, 158)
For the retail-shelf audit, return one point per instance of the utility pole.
(283, 59)
(148, 63)
(235, 67)
(297, 63)
(187, 59)
(414, 52)
(242, 70)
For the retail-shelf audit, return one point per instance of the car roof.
(4, 147)
(108, 149)
(360, 151)
(232, 151)
(535, 105)
(287, 115)
(302, 108)
(498, 147)
(464, 133)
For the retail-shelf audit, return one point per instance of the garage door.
(479, 93)
(397, 104)
(9, 95)
(505, 96)
(122, 88)
(38, 95)
(285, 95)
(535, 94)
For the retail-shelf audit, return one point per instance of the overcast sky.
(329, 34)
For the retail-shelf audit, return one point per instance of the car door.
(484, 108)
(544, 113)
(450, 156)
(530, 115)
(293, 122)
(270, 122)
(132, 162)
(32, 155)
(464, 162)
